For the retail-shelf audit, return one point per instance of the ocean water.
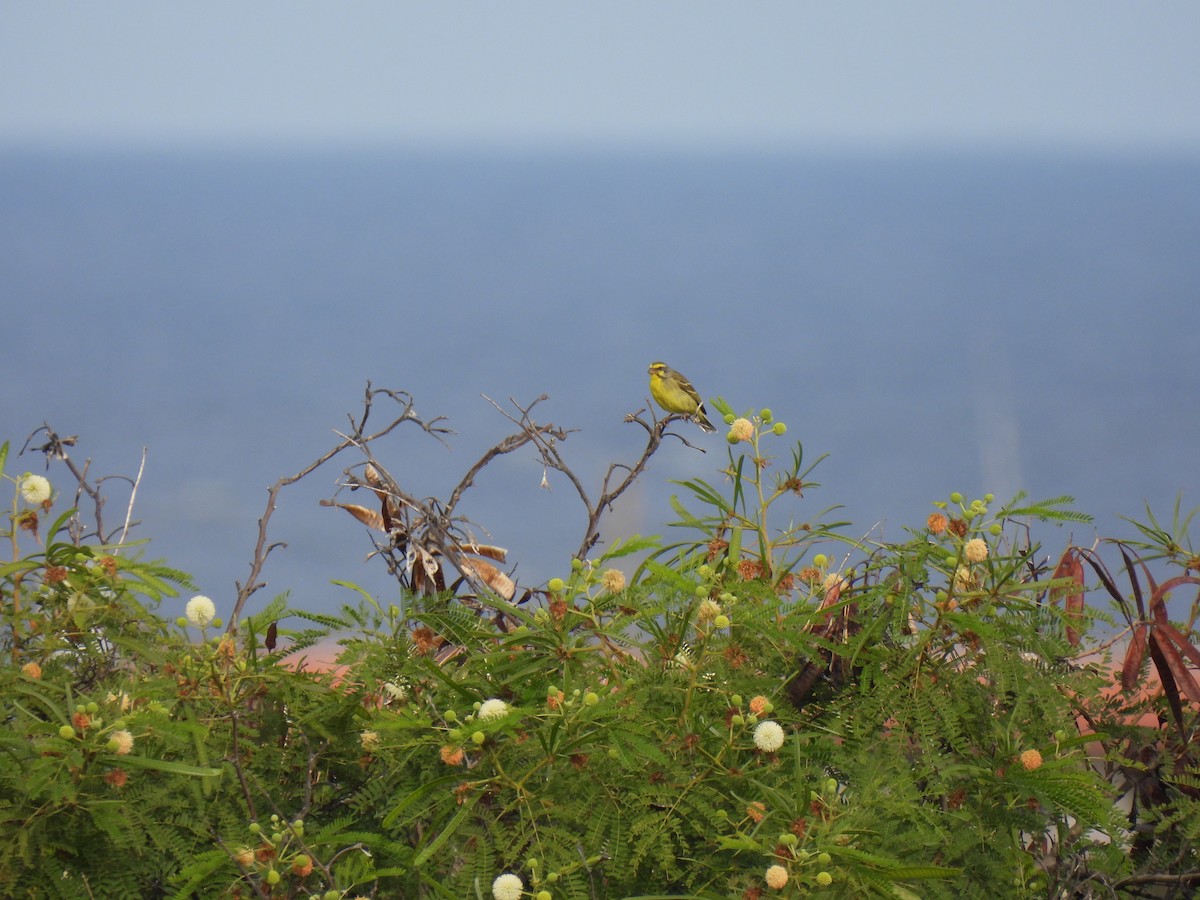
(933, 322)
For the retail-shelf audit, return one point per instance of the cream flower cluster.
(200, 611)
(493, 709)
(121, 742)
(768, 736)
(35, 489)
(975, 550)
(507, 887)
(777, 877)
(741, 430)
(613, 580)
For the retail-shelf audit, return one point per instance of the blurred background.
(953, 246)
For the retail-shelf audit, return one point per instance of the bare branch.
(357, 438)
(656, 430)
(55, 448)
(132, 497)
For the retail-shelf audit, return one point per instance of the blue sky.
(696, 74)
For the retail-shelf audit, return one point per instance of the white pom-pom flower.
(200, 611)
(492, 709)
(768, 737)
(35, 489)
(507, 887)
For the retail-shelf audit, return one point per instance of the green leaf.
(166, 765)
(919, 872)
(633, 544)
(446, 833)
(446, 783)
(734, 553)
(738, 842)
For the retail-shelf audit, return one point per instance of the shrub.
(737, 713)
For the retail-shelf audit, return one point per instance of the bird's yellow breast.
(669, 395)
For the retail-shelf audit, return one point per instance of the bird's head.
(658, 369)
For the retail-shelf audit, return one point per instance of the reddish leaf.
(1133, 581)
(1070, 569)
(372, 477)
(368, 517)
(427, 575)
(499, 554)
(1170, 689)
(1134, 656)
(1158, 604)
(1181, 643)
(488, 574)
(447, 652)
(1107, 580)
(388, 508)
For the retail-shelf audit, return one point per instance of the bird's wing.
(686, 387)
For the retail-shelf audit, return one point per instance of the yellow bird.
(675, 394)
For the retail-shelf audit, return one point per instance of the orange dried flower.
(31, 670)
(758, 705)
(579, 761)
(756, 811)
(424, 639)
(81, 721)
(749, 569)
(735, 656)
(227, 650)
(116, 778)
(716, 548)
(936, 523)
(958, 527)
(28, 521)
(810, 574)
(109, 565)
(558, 608)
(55, 574)
(302, 866)
(1031, 759)
(452, 756)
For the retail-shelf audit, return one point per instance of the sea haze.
(933, 323)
